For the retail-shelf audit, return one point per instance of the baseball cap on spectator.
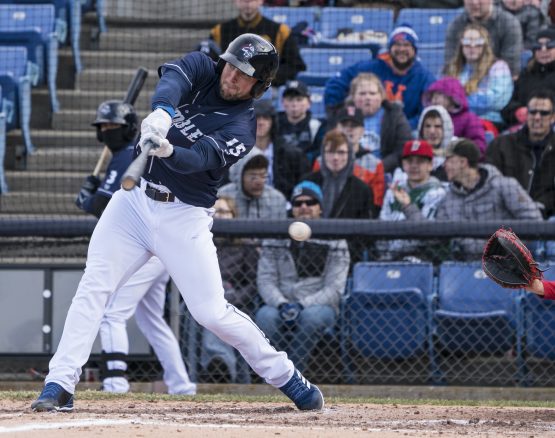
(264, 108)
(350, 113)
(418, 148)
(308, 188)
(462, 147)
(296, 88)
(403, 32)
(548, 32)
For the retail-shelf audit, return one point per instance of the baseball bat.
(137, 167)
(133, 90)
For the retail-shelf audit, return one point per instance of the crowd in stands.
(395, 130)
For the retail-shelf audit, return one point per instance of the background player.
(145, 293)
(202, 122)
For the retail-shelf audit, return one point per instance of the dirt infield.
(168, 419)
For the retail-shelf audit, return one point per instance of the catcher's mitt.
(508, 262)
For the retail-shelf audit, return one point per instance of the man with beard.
(404, 77)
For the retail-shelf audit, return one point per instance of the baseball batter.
(203, 122)
(145, 293)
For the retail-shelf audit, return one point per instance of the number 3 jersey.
(219, 131)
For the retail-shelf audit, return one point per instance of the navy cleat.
(53, 398)
(306, 396)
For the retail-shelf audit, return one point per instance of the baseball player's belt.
(157, 195)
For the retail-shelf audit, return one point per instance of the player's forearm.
(199, 158)
(548, 289)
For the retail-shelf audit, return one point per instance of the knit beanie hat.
(403, 32)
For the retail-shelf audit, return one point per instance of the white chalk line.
(371, 426)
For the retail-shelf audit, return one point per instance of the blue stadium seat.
(96, 6)
(539, 320)
(356, 19)
(432, 59)
(68, 16)
(292, 16)
(61, 13)
(317, 107)
(429, 24)
(386, 314)
(324, 63)
(19, 25)
(3, 184)
(16, 91)
(473, 314)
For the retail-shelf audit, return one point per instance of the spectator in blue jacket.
(404, 77)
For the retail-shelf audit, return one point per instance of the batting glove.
(156, 124)
(164, 149)
(289, 312)
(88, 189)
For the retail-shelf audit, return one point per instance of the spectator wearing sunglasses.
(504, 29)
(539, 74)
(301, 283)
(487, 81)
(529, 154)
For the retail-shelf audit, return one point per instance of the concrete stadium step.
(94, 79)
(48, 138)
(78, 119)
(144, 39)
(197, 10)
(45, 182)
(31, 202)
(80, 99)
(120, 59)
(64, 159)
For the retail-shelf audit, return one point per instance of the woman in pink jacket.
(449, 93)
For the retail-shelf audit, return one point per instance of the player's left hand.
(164, 149)
(156, 124)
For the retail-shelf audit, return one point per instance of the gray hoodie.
(270, 205)
(499, 198)
(448, 132)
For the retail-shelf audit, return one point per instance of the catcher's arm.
(536, 286)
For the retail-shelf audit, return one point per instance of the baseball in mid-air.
(299, 231)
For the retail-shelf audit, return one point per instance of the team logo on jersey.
(248, 51)
(187, 128)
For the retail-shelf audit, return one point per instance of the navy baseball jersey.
(219, 131)
(112, 179)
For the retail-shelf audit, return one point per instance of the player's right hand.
(156, 124)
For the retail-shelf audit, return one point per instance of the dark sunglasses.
(549, 45)
(543, 113)
(307, 202)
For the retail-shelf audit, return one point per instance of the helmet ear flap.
(99, 136)
(259, 89)
(130, 130)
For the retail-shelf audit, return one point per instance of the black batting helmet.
(119, 112)
(255, 57)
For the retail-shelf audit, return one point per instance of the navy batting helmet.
(118, 112)
(255, 57)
